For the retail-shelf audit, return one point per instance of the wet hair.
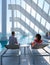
(38, 36)
(13, 32)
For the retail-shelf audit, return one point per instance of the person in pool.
(37, 40)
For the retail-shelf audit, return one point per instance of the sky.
(9, 24)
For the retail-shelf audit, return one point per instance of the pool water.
(2, 44)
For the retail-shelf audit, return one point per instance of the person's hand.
(32, 44)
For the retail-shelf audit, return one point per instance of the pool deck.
(12, 58)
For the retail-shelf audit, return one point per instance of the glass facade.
(29, 15)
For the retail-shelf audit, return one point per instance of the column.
(4, 17)
(12, 20)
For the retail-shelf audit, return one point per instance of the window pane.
(12, 1)
(40, 3)
(27, 21)
(49, 13)
(17, 25)
(28, 8)
(23, 4)
(38, 17)
(43, 21)
(48, 26)
(22, 27)
(22, 17)
(31, 25)
(46, 7)
(18, 2)
(26, 31)
(15, 13)
(33, 12)
(36, 29)
(18, 14)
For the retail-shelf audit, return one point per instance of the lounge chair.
(11, 47)
(35, 54)
(38, 46)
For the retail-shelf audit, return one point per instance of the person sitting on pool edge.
(37, 40)
(13, 39)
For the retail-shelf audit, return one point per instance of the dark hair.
(13, 32)
(38, 36)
